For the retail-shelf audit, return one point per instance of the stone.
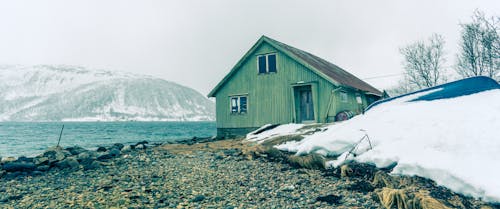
(126, 148)
(101, 149)
(287, 188)
(198, 198)
(59, 156)
(108, 155)
(361, 186)
(43, 168)
(25, 159)
(330, 199)
(11, 175)
(75, 150)
(69, 162)
(140, 146)
(41, 161)
(114, 152)
(142, 142)
(36, 173)
(220, 156)
(232, 152)
(55, 154)
(86, 158)
(18, 166)
(118, 146)
(91, 165)
(8, 159)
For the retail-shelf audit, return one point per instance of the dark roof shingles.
(334, 72)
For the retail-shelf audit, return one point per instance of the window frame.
(344, 97)
(238, 104)
(359, 99)
(267, 63)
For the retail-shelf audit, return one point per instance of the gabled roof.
(323, 68)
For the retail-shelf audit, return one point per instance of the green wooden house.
(275, 83)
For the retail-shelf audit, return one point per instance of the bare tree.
(402, 87)
(423, 63)
(480, 47)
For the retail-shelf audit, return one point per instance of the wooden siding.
(271, 97)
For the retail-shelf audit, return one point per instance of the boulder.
(43, 168)
(140, 146)
(101, 149)
(86, 158)
(142, 142)
(114, 152)
(18, 166)
(8, 159)
(75, 150)
(91, 165)
(69, 162)
(41, 161)
(118, 146)
(25, 159)
(55, 154)
(330, 199)
(126, 148)
(108, 155)
(198, 198)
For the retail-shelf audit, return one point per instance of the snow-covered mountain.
(69, 93)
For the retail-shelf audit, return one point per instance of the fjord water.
(32, 138)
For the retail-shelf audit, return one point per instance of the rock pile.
(74, 158)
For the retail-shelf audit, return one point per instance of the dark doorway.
(306, 107)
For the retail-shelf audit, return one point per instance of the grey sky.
(195, 43)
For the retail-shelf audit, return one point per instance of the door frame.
(296, 87)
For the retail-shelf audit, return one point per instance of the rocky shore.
(199, 173)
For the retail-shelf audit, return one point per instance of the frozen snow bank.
(259, 135)
(453, 141)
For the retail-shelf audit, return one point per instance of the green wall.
(271, 96)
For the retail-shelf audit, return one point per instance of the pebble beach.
(184, 176)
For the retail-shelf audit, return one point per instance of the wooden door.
(306, 105)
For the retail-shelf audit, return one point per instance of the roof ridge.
(324, 66)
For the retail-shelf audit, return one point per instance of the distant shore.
(197, 173)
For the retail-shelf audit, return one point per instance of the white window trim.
(342, 98)
(359, 99)
(267, 62)
(231, 97)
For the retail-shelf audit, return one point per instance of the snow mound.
(453, 141)
(261, 134)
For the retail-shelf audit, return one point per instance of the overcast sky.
(195, 43)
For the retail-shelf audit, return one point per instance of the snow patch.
(280, 130)
(455, 141)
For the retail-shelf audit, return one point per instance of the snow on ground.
(455, 142)
(275, 132)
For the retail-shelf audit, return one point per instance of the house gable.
(328, 71)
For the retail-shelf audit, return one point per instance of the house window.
(267, 63)
(343, 96)
(358, 99)
(239, 104)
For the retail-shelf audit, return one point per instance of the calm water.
(28, 139)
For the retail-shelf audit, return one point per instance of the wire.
(384, 76)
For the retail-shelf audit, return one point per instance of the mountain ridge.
(74, 93)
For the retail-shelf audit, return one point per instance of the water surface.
(31, 138)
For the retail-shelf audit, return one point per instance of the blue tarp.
(449, 90)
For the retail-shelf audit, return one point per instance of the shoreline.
(204, 173)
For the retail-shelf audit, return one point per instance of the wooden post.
(58, 141)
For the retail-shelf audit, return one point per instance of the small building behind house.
(274, 83)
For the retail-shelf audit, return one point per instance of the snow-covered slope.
(454, 141)
(58, 93)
